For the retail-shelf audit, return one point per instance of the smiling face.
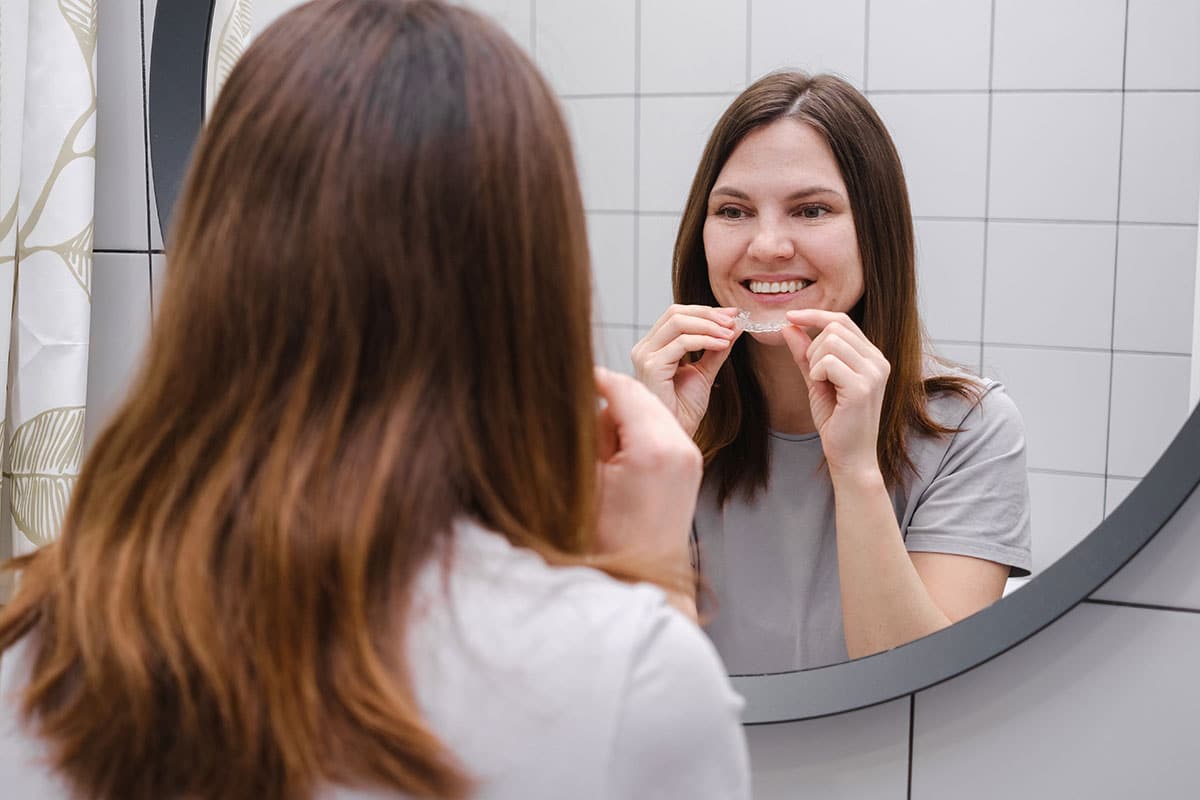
(779, 233)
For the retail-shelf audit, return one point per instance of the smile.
(776, 287)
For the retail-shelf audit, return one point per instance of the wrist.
(860, 477)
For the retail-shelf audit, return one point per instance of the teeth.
(777, 287)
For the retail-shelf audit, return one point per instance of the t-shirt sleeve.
(679, 733)
(977, 503)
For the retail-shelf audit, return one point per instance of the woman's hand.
(846, 377)
(649, 473)
(658, 359)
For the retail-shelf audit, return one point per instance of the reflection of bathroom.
(1052, 149)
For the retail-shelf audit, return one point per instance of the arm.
(891, 596)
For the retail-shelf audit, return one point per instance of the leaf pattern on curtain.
(232, 41)
(81, 16)
(44, 459)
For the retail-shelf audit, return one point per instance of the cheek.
(719, 251)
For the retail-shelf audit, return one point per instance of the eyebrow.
(799, 194)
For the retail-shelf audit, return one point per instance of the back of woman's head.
(377, 318)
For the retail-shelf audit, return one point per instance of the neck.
(783, 388)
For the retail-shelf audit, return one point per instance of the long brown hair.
(381, 222)
(733, 435)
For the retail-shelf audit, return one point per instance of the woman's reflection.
(859, 492)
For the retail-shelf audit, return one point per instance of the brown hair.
(381, 222)
(733, 433)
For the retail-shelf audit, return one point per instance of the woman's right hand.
(649, 474)
(658, 359)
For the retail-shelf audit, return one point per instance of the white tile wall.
(515, 16)
(942, 139)
(1116, 492)
(603, 133)
(1063, 398)
(811, 759)
(1055, 156)
(672, 133)
(901, 29)
(149, 9)
(612, 344)
(693, 45)
(812, 35)
(1064, 509)
(1050, 284)
(656, 243)
(966, 355)
(1156, 272)
(1162, 52)
(612, 244)
(1164, 573)
(1080, 710)
(121, 222)
(119, 329)
(1029, 39)
(1160, 166)
(587, 47)
(950, 277)
(1149, 404)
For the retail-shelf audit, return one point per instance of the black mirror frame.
(177, 79)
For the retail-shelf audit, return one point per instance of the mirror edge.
(179, 51)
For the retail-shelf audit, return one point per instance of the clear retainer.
(751, 326)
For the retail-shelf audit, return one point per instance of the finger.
(632, 409)
(836, 344)
(799, 343)
(688, 324)
(710, 363)
(817, 319)
(832, 369)
(715, 313)
(679, 347)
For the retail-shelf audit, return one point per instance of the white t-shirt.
(545, 682)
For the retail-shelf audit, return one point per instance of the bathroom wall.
(1051, 152)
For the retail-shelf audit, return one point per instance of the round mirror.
(1055, 208)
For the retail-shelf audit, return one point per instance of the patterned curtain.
(47, 193)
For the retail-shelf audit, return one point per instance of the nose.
(771, 243)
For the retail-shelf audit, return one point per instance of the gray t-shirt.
(771, 563)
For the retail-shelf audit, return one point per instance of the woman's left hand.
(846, 377)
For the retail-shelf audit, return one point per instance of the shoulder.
(680, 721)
(984, 407)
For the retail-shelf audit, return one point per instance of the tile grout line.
(533, 29)
(912, 719)
(1146, 606)
(1112, 331)
(866, 41)
(146, 158)
(987, 184)
(637, 156)
(749, 36)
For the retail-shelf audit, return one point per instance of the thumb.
(798, 341)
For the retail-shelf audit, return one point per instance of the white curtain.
(47, 197)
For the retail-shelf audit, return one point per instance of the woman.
(335, 540)
(858, 492)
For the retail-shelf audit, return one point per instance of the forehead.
(785, 151)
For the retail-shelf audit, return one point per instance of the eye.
(813, 212)
(731, 212)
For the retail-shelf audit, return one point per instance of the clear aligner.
(750, 326)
